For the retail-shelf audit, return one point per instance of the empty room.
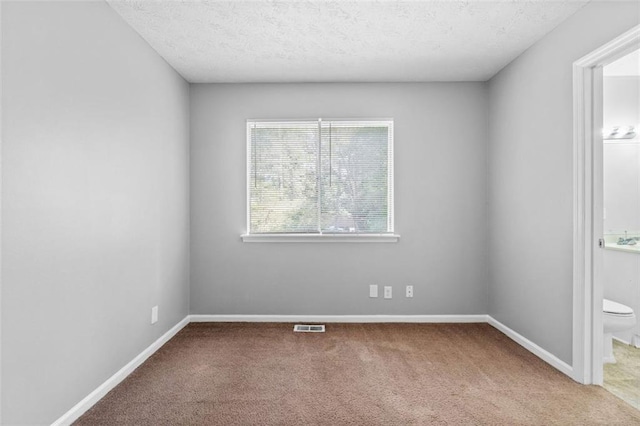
(319, 212)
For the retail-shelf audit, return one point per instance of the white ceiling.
(343, 41)
(626, 66)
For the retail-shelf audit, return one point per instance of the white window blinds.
(321, 177)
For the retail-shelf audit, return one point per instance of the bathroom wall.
(621, 278)
(621, 273)
(622, 157)
(95, 151)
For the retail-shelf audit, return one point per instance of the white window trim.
(390, 237)
(320, 238)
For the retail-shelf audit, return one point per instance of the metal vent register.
(303, 328)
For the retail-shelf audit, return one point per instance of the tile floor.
(623, 378)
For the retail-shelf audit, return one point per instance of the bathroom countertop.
(610, 243)
(628, 249)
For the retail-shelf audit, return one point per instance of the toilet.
(616, 317)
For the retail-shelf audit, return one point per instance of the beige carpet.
(354, 374)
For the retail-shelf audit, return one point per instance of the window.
(320, 178)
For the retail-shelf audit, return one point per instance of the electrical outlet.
(387, 292)
(373, 290)
(409, 291)
(154, 315)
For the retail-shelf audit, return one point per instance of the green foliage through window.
(320, 176)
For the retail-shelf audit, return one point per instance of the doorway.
(588, 241)
(621, 226)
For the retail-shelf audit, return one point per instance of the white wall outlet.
(154, 315)
(387, 292)
(373, 290)
(409, 291)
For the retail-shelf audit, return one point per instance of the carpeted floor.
(354, 374)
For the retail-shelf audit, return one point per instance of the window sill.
(320, 238)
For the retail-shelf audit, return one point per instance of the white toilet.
(616, 317)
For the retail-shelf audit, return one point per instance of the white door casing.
(588, 204)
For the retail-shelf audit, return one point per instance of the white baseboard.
(621, 340)
(81, 407)
(635, 341)
(546, 356)
(342, 318)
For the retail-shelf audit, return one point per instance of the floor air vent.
(302, 328)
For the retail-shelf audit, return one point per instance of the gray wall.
(440, 204)
(95, 202)
(530, 177)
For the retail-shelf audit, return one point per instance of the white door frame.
(588, 205)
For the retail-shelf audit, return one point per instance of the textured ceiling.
(328, 41)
